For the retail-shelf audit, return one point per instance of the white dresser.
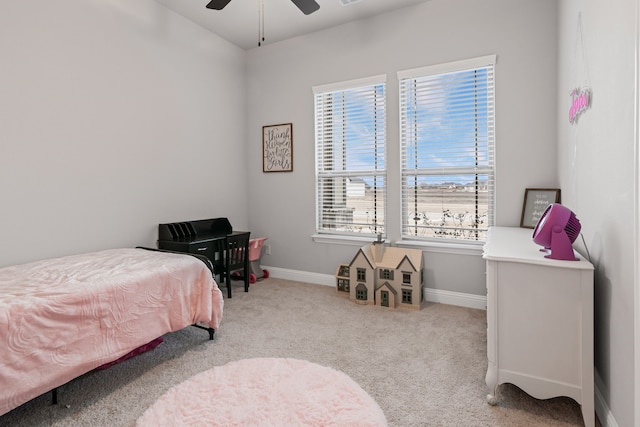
(539, 320)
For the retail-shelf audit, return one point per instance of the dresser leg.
(491, 379)
(492, 399)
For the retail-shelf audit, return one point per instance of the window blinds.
(350, 132)
(447, 135)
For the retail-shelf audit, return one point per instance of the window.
(343, 285)
(386, 274)
(447, 150)
(406, 278)
(361, 292)
(361, 275)
(407, 296)
(351, 177)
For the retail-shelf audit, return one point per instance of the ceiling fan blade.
(217, 4)
(306, 6)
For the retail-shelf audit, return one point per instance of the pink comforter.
(60, 318)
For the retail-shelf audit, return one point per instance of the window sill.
(443, 247)
(337, 239)
(426, 246)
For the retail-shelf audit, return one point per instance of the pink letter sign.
(580, 102)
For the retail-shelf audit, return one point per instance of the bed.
(63, 317)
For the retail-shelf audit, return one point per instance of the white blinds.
(447, 138)
(350, 123)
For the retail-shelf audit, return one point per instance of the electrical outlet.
(267, 249)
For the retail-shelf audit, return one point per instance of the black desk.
(207, 237)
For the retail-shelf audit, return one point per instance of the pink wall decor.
(580, 102)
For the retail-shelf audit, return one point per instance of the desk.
(539, 320)
(207, 237)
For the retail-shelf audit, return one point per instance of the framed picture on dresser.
(535, 202)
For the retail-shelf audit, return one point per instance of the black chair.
(236, 258)
(217, 255)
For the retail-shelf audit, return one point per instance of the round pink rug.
(265, 392)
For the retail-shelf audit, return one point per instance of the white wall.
(117, 115)
(596, 163)
(114, 116)
(523, 35)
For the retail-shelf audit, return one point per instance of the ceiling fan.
(306, 6)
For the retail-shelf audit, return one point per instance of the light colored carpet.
(424, 368)
(265, 391)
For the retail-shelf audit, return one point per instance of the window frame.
(406, 278)
(377, 227)
(454, 245)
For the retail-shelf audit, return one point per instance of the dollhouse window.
(407, 296)
(362, 275)
(386, 274)
(344, 271)
(406, 278)
(361, 292)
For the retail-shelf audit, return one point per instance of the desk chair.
(237, 258)
(217, 255)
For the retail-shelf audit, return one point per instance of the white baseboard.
(431, 295)
(456, 298)
(301, 276)
(602, 409)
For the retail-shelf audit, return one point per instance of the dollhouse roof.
(392, 257)
(388, 287)
(367, 257)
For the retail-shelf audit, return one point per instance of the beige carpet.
(424, 368)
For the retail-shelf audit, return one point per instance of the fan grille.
(573, 227)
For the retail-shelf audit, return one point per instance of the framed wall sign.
(536, 201)
(277, 148)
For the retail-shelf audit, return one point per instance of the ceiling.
(239, 21)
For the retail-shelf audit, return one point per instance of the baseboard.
(301, 276)
(456, 298)
(602, 409)
(430, 295)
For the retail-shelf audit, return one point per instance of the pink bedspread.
(60, 318)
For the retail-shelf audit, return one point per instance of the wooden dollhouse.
(384, 276)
